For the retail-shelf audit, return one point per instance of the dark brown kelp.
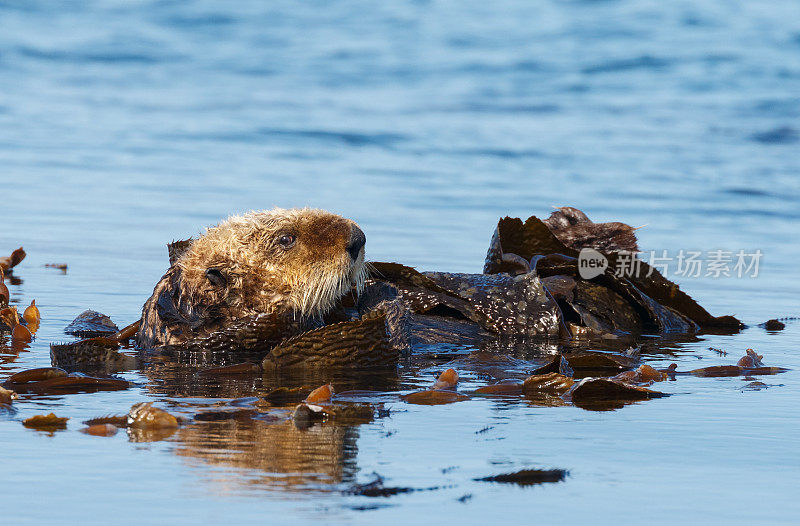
(527, 477)
(660, 303)
(5, 295)
(49, 422)
(9, 262)
(360, 343)
(90, 324)
(7, 396)
(36, 375)
(442, 391)
(72, 383)
(93, 354)
(600, 390)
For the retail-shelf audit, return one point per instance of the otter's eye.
(287, 240)
(216, 277)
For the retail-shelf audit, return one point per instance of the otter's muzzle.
(357, 242)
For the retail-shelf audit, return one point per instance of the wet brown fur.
(255, 275)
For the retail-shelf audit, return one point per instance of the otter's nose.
(357, 242)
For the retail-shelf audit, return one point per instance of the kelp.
(114, 420)
(507, 388)
(654, 297)
(608, 393)
(32, 314)
(502, 304)
(751, 359)
(7, 263)
(441, 392)
(90, 324)
(7, 396)
(71, 383)
(36, 375)
(10, 320)
(319, 406)
(748, 365)
(527, 477)
(558, 364)
(100, 430)
(5, 295)
(553, 384)
(360, 343)
(434, 397)
(49, 422)
(144, 416)
(320, 395)
(773, 325)
(599, 363)
(93, 354)
(128, 332)
(644, 374)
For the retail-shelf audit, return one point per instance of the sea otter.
(290, 288)
(280, 270)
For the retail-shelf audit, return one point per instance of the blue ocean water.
(125, 125)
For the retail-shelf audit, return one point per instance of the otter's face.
(299, 260)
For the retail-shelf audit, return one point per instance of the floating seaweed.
(9, 318)
(127, 333)
(447, 380)
(557, 364)
(144, 416)
(749, 364)
(750, 360)
(640, 302)
(36, 375)
(607, 393)
(528, 477)
(7, 396)
(93, 354)
(100, 430)
(49, 422)
(440, 393)
(320, 395)
(5, 295)
(114, 420)
(56, 382)
(89, 324)
(554, 384)
(32, 314)
(644, 374)
(7, 263)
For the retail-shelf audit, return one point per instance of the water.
(125, 125)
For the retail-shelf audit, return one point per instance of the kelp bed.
(298, 429)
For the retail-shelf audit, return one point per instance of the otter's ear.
(216, 277)
(178, 248)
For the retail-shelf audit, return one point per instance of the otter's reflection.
(287, 457)
(233, 426)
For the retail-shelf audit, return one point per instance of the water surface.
(125, 125)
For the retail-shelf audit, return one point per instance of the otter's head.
(300, 260)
